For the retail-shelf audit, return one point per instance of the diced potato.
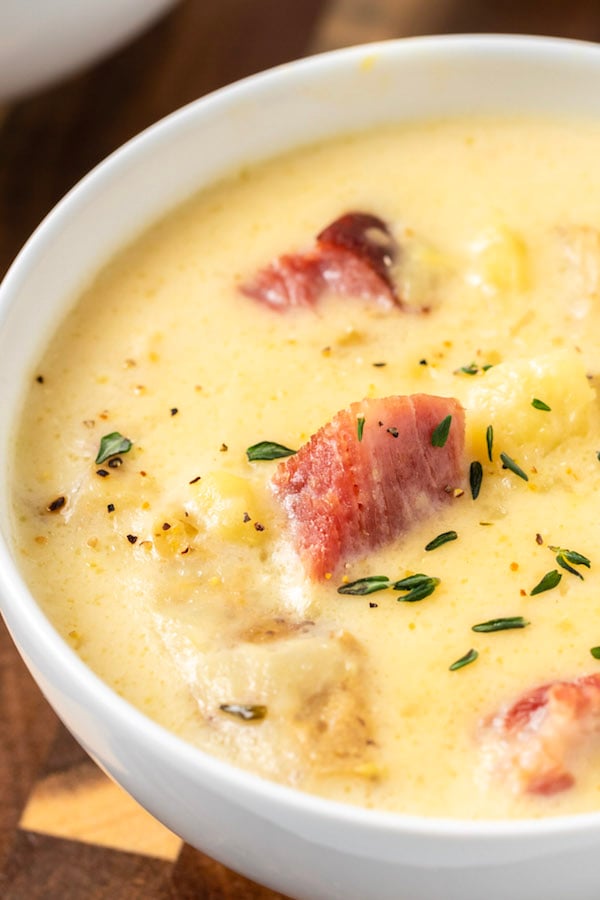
(579, 268)
(225, 505)
(500, 261)
(503, 398)
(173, 534)
(421, 273)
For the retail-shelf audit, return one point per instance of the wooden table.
(66, 831)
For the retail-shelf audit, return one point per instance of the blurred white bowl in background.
(43, 40)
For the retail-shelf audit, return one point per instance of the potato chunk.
(504, 396)
(500, 261)
(226, 506)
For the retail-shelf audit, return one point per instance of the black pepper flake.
(539, 539)
(223, 448)
(111, 507)
(393, 431)
(187, 550)
(194, 480)
(115, 462)
(380, 424)
(246, 517)
(379, 365)
(174, 410)
(102, 473)
(56, 504)
(40, 379)
(132, 538)
(259, 527)
(423, 362)
(373, 605)
(165, 526)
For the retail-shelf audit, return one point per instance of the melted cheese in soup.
(169, 566)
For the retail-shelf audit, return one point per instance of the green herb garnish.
(268, 450)
(508, 463)
(489, 439)
(417, 587)
(360, 427)
(367, 585)
(471, 369)
(475, 478)
(595, 651)
(441, 539)
(441, 432)
(549, 581)
(539, 404)
(465, 660)
(501, 624)
(246, 712)
(564, 557)
(112, 444)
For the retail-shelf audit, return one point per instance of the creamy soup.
(169, 560)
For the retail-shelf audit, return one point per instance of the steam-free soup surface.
(172, 571)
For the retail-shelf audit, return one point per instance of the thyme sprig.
(363, 586)
(268, 450)
(441, 432)
(443, 538)
(509, 463)
(465, 660)
(413, 587)
(549, 581)
(417, 587)
(475, 478)
(502, 624)
(566, 559)
(111, 445)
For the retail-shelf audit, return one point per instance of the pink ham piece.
(344, 496)
(352, 257)
(532, 740)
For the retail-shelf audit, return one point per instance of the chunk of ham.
(532, 742)
(353, 256)
(346, 495)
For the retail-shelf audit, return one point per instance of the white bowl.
(42, 40)
(302, 845)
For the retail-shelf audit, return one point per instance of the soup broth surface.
(169, 566)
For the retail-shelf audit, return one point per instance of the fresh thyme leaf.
(112, 444)
(539, 404)
(472, 369)
(465, 660)
(246, 712)
(268, 450)
(417, 586)
(475, 478)
(441, 539)
(564, 557)
(595, 651)
(367, 585)
(360, 427)
(489, 439)
(501, 624)
(441, 432)
(508, 463)
(549, 581)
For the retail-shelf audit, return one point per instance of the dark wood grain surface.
(66, 832)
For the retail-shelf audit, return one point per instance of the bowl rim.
(17, 603)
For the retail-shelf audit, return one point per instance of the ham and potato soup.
(310, 474)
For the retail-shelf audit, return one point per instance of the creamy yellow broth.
(498, 222)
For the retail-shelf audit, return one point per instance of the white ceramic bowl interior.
(301, 845)
(42, 40)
